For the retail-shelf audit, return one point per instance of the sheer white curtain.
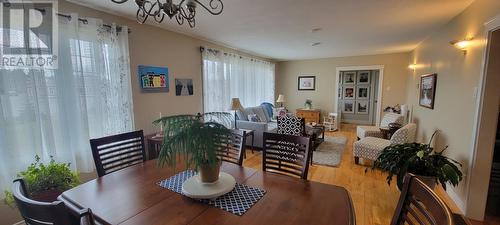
(227, 76)
(55, 112)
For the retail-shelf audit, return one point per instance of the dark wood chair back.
(117, 152)
(231, 148)
(45, 213)
(418, 204)
(291, 125)
(286, 154)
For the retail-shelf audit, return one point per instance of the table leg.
(252, 141)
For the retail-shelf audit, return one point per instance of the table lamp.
(281, 99)
(235, 105)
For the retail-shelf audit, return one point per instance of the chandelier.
(185, 10)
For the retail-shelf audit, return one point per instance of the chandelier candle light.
(184, 10)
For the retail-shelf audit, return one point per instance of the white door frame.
(380, 68)
(470, 207)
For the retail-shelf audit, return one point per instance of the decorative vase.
(427, 180)
(209, 173)
(308, 106)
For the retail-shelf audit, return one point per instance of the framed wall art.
(362, 92)
(307, 83)
(183, 87)
(427, 90)
(361, 107)
(348, 92)
(348, 107)
(153, 78)
(349, 77)
(363, 77)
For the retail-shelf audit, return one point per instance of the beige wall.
(324, 97)
(150, 45)
(457, 79)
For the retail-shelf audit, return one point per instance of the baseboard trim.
(454, 196)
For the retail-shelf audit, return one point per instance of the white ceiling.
(281, 29)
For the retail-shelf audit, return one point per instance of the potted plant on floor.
(430, 166)
(194, 139)
(45, 182)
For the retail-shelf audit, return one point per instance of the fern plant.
(419, 159)
(193, 138)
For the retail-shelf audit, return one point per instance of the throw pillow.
(253, 118)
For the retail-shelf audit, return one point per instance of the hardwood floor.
(374, 201)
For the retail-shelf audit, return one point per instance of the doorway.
(358, 94)
(485, 177)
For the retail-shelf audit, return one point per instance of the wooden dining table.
(132, 196)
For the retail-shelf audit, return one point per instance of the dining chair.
(117, 152)
(43, 213)
(286, 154)
(418, 204)
(231, 148)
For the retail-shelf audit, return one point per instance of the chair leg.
(356, 160)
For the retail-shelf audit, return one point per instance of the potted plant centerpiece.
(194, 139)
(45, 182)
(430, 166)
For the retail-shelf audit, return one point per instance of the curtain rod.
(85, 21)
(202, 49)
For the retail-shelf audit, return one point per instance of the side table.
(153, 143)
(247, 134)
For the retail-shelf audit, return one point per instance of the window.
(227, 76)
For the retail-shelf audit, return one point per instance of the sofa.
(264, 124)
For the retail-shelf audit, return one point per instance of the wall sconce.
(462, 44)
(412, 66)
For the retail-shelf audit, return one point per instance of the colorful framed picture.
(363, 77)
(348, 93)
(349, 77)
(348, 107)
(153, 79)
(361, 107)
(427, 90)
(183, 87)
(362, 92)
(307, 83)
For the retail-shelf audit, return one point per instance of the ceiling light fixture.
(462, 44)
(184, 10)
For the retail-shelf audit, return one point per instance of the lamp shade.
(281, 99)
(235, 104)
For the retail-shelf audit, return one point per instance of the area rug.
(329, 153)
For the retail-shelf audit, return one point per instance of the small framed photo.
(349, 77)
(362, 92)
(348, 107)
(427, 90)
(348, 93)
(363, 77)
(361, 107)
(307, 83)
(183, 87)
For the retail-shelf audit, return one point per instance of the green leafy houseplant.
(46, 181)
(421, 160)
(194, 139)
